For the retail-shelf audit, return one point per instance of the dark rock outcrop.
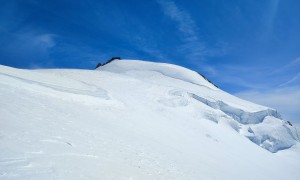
(109, 61)
(207, 79)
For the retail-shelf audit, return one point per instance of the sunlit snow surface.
(137, 120)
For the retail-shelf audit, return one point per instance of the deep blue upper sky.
(250, 48)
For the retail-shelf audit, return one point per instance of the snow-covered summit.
(168, 70)
(188, 86)
(150, 71)
(133, 119)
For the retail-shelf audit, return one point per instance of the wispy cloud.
(295, 63)
(294, 81)
(285, 100)
(130, 29)
(186, 24)
(44, 40)
(271, 12)
(28, 45)
(279, 89)
(260, 77)
(31, 40)
(192, 47)
(144, 41)
(289, 73)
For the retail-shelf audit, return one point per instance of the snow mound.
(272, 134)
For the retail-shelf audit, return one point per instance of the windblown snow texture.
(134, 119)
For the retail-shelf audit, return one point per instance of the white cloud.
(285, 100)
(44, 40)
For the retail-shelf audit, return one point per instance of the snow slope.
(134, 119)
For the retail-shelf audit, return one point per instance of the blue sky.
(249, 48)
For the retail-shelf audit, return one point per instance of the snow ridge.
(238, 114)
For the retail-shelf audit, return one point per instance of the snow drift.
(134, 119)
